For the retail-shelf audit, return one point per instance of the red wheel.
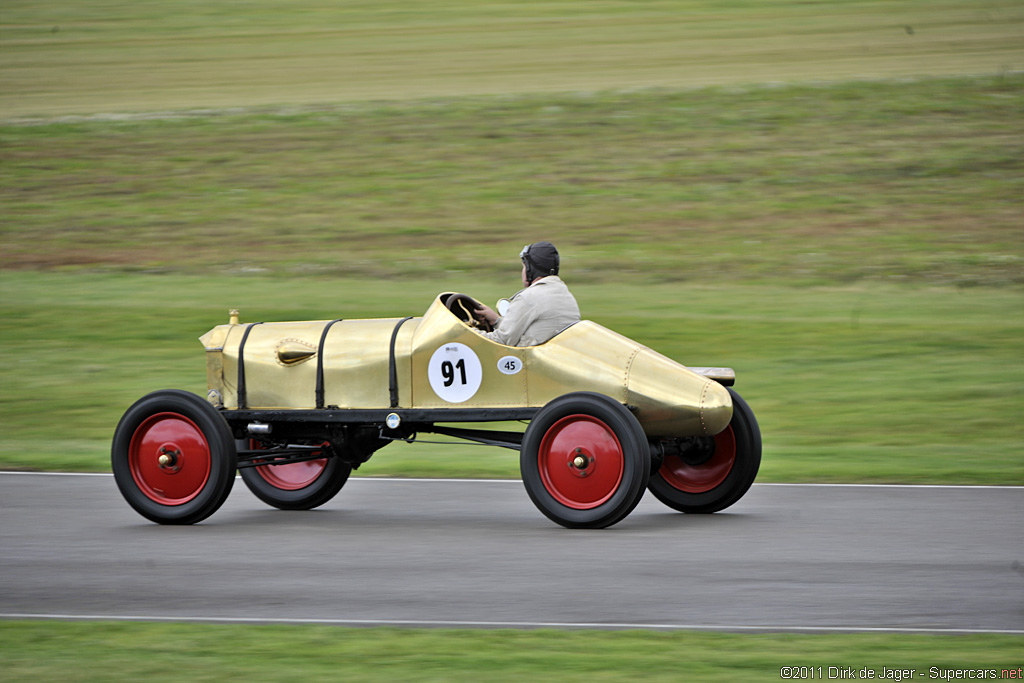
(173, 457)
(585, 460)
(297, 475)
(580, 462)
(715, 479)
(169, 459)
(297, 485)
(704, 476)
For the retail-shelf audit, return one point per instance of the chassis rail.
(357, 433)
(417, 416)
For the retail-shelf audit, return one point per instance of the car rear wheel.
(173, 457)
(299, 485)
(585, 461)
(720, 475)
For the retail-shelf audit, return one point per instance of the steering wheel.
(463, 305)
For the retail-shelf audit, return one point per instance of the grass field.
(853, 250)
(916, 182)
(76, 57)
(824, 195)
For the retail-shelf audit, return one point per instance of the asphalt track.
(478, 554)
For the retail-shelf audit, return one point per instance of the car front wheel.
(173, 457)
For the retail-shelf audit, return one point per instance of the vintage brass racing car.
(296, 406)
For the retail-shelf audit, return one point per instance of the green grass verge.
(863, 383)
(99, 651)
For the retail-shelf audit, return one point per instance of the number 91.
(448, 372)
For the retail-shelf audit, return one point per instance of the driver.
(539, 311)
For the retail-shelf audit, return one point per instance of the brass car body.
(414, 363)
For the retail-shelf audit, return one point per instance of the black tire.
(724, 478)
(198, 453)
(297, 486)
(585, 461)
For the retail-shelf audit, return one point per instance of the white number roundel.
(455, 373)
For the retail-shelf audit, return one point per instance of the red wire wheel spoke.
(169, 458)
(293, 476)
(707, 475)
(581, 462)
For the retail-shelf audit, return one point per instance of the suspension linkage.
(282, 456)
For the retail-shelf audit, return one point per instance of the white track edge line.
(440, 623)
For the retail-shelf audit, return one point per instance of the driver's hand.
(483, 312)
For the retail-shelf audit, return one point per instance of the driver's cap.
(541, 259)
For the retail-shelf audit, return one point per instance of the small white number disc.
(455, 373)
(510, 365)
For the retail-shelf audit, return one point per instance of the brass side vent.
(294, 351)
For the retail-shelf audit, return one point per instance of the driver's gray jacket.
(536, 314)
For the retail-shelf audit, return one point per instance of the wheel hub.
(581, 462)
(698, 451)
(704, 464)
(169, 459)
